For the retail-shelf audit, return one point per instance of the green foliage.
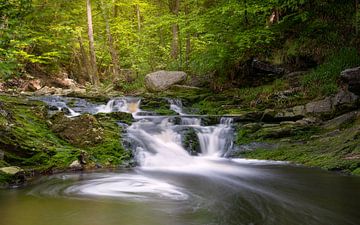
(323, 80)
(214, 36)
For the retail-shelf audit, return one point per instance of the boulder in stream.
(162, 80)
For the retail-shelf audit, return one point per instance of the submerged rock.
(162, 80)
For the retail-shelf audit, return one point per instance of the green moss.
(28, 141)
(5, 179)
(337, 152)
(111, 150)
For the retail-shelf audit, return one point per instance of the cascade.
(157, 139)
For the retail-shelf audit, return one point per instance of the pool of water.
(222, 192)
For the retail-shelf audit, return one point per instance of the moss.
(159, 105)
(336, 150)
(80, 131)
(5, 179)
(28, 141)
(111, 150)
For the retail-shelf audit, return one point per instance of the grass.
(323, 80)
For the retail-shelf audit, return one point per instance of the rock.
(235, 152)
(76, 165)
(32, 85)
(321, 106)
(307, 121)
(341, 120)
(162, 80)
(12, 170)
(48, 91)
(351, 79)
(80, 131)
(294, 77)
(291, 114)
(344, 99)
(266, 68)
(65, 83)
(252, 126)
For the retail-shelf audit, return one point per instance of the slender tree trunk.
(113, 53)
(138, 15)
(174, 7)
(94, 72)
(116, 9)
(84, 59)
(357, 17)
(246, 13)
(188, 38)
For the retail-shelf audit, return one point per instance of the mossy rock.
(80, 131)
(122, 117)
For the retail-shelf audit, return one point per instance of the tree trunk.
(94, 72)
(357, 17)
(116, 9)
(174, 7)
(113, 53)
(84, 60)
(188, 38)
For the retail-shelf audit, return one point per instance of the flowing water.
(170, 186)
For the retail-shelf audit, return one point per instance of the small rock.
(12, 170)
(266, 67)
(267, 125)
(76, 165)
(307, 121)
(344, 98)
(284, 123)
(351, 79)
(321, 106)
(252, 126)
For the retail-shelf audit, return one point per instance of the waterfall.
(157, 139)
(215, 140)
(129, 105)
(176, 105)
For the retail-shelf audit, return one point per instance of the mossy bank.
(40, 144)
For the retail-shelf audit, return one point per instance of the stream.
(174, 186)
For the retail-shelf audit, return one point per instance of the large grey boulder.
(342, 101)
(162, 80)
(351, 78)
